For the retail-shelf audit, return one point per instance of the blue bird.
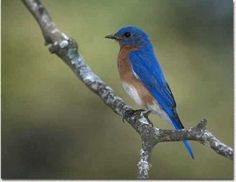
(142, 77)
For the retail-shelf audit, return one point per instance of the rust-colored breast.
(126, 75)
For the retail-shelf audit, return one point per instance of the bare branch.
(198, 133)
(144, 164)
(66, 48)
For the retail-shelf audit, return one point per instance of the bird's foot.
(137, 112)
(146, 114)
(130, 113)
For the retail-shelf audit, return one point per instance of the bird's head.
(130, 36)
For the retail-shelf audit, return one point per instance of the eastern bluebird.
(142, 77)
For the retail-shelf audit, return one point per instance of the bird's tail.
(178, 125)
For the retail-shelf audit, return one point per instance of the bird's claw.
(137, 112)
(130, 113)
(146, 114)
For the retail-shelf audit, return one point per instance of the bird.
(143, 78)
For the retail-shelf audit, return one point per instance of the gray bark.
(66, 48)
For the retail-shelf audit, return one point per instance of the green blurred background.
(53, 127)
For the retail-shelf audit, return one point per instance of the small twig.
(66, 48)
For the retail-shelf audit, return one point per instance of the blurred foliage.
(53, 127)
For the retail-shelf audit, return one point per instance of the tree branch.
(66, 48)
(198, 133)
(144, 164)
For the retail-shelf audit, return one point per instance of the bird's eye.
(127, 34)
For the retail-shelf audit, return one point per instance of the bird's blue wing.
(149, 72)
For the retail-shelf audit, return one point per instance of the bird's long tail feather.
(188, 148)
(178, 125)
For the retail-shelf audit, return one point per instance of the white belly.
(155, 107)
(132, 92)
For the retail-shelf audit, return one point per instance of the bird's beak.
(112, 37)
